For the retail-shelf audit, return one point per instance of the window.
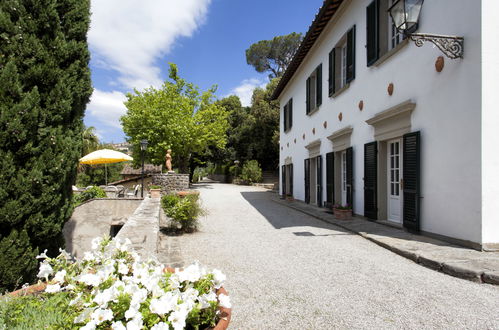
(314, 90)
(342, 62)
(288, 115)
(382, 36)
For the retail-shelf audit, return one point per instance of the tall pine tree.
(44, 88)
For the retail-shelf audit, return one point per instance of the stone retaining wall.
(171, 182)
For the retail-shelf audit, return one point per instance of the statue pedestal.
(171, 182)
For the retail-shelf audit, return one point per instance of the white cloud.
(245, 90)
(129, 36)
(107, 107)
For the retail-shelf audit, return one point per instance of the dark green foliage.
(251, 172)
(44, 88)
(184, 211)
(37, 312)
(273, 55)
(94, 192)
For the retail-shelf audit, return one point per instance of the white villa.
(407, 135)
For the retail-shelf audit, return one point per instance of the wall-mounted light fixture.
(405, 16)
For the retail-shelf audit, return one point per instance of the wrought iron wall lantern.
(405, 16)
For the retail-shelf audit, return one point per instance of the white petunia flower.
(123, 268)
(53, 288)
(45, 270)
(135, 324)
(218, 278)
(177, 317)
(76, 300)
(84, 315)
(96, 243)
(132, 312)
(103, 297)
(164, 304)
(42, 255)
(89, 326)
(224, 300)
(65, 254)
(102, 315)
(59, 276)
(88, 256)
(117, 326)
(206, 298)
(161, 326)
(192, 273)
(89, 279)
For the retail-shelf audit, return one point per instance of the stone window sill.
(341, 90)
(313, 111)
(391, 52)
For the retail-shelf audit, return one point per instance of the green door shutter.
(371, 180)
(372, 33)
(329, 179)
(411, 181)
(318, 85)
(307, 180)
(319, 180)
(283, 180)
(307, 108)
(351, 55)
(349, 155)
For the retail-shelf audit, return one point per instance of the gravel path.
(286, 270)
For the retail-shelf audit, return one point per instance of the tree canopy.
(177, 116)
(273, 55)
(44, 88)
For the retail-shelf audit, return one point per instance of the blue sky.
(131, 46)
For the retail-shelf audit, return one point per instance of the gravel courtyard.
(286, 270)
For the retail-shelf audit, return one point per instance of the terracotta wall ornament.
(439, 64)
(303, 136)
(361, 105)
(390, 89)
(282, 148)
(295, 141)
(287, 144)
(325, 124)
(340, 116)
(313, 130)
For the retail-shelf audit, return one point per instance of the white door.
(394, 167)
(343, 178)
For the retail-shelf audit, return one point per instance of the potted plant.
(342, 212)
(155, 191)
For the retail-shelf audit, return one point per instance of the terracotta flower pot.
(187, 192)
(342, 214)
(155, 193)
(30, 290)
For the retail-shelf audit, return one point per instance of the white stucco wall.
(490, 121)
(447, 112)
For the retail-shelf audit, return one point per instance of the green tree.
(44, 88)
(177, 116)
(90, 141)
(273, 55)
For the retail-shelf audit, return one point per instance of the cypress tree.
(44, 88)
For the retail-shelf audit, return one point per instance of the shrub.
(251, 172)
(184, 211)
(199, 173)
(94, 192)
(154, 186)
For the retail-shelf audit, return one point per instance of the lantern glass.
(143, 145)
(405, 15)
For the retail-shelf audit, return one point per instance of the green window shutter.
(372, 33)
(331, 73)
(290, 180)
(351, 55)
(308, 97)
(285, 117)
(318, 85)
(290, 113)
(411, 187)
(371, 180)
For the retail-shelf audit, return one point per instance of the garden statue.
(168, 161)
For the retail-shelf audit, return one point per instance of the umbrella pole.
(105, 169)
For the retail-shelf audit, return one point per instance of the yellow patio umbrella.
(104, 156)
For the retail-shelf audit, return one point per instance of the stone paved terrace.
(142, 228)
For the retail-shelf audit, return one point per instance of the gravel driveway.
(286, 270)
